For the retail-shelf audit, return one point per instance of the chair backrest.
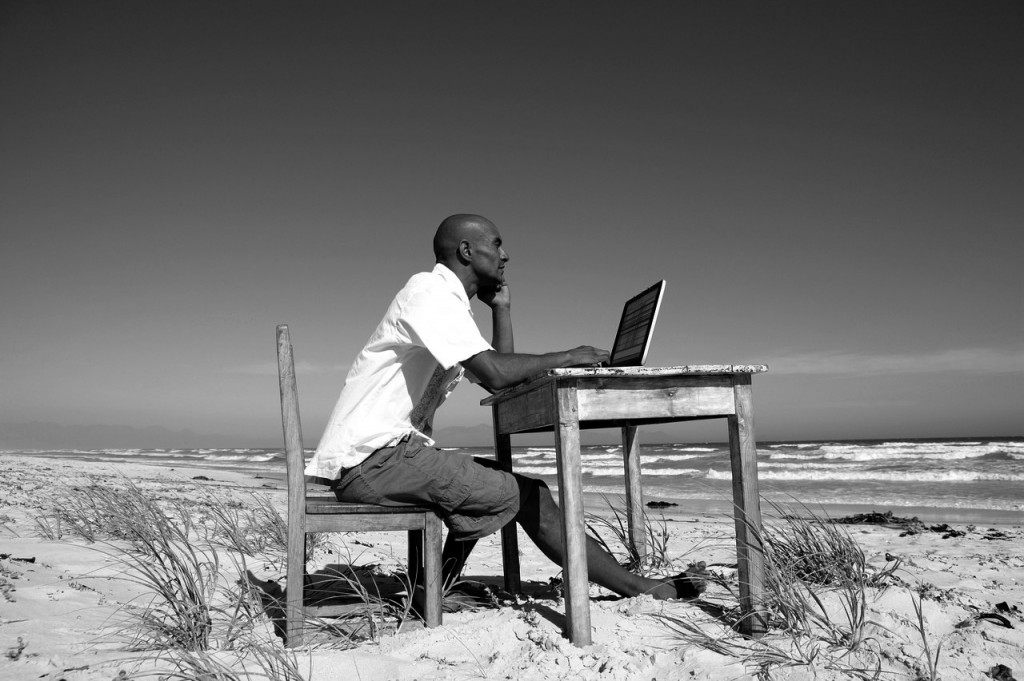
(295, 462)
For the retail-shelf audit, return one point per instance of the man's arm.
(499, 370)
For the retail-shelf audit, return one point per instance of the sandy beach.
(67, 604)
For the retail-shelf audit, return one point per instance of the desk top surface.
(626, 372)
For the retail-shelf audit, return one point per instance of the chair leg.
(432, 570)
(295, 578)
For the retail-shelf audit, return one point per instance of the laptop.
(636, 327)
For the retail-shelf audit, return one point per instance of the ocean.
(978, 480)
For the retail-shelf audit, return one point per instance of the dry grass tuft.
(655, 532)
(200, 616)
(931, 659)
(817, 586)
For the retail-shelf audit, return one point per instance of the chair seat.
(331, 506)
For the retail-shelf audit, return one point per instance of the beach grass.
(655, 535)
(817, 584)
(252, 526)
(202, 614)
(930, 670)
(818, 593)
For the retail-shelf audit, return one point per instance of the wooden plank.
(509, 533)
(294, 462)
(331, 506)
(605, 424)
(634, 490)
(570, 497)
(656, 383)
(385, 522)
(527, 411)
(541, 379)
(664, 402)
(747, 508)
(681, 370)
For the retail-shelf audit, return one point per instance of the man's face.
(489, 257)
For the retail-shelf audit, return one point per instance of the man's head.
(470, 246)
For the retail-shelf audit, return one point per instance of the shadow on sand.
(356, 604)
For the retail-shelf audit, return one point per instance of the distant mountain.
(46, 435)
(483, 436)
(43, 435)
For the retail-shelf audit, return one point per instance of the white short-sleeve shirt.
(403, 374)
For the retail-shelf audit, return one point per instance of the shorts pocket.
(355, 489)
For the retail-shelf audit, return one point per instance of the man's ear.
(465, 251)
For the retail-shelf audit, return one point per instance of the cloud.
(270, 369)
(967, 360)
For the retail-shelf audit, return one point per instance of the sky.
(833, 189)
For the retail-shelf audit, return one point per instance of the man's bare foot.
(688, 584)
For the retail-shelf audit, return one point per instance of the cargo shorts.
(474, 496)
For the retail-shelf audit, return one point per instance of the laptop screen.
(636, 326)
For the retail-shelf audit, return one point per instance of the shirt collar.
(453, 282)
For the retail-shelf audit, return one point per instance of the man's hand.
(586, 354)
(498, 296)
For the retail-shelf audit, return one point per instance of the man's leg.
(453, 559)
(539, 517)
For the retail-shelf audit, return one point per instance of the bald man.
(377, 446)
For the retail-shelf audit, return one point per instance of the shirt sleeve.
(440, 322)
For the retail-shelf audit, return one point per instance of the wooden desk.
(566, 400)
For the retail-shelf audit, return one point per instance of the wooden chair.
(327, 514)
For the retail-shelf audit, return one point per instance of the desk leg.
(570, 500)
(509, 533)
(634, 491)
(747, 508)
